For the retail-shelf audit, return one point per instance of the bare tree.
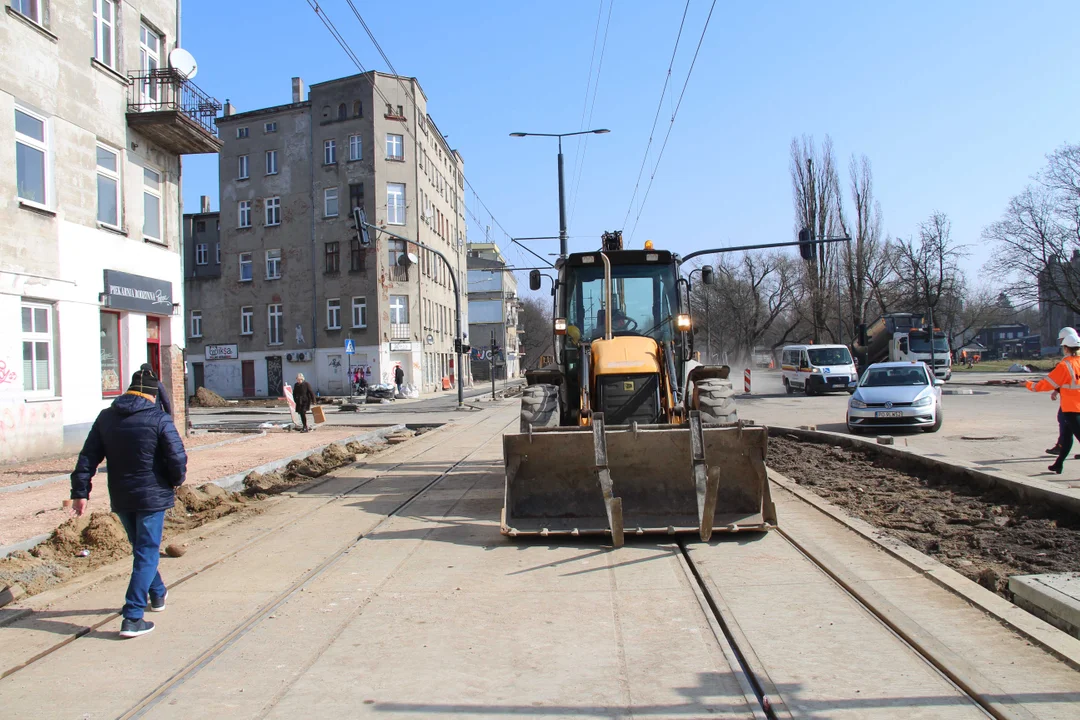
(815, 189)
(537, 328)
(865, 261)
(926, 268)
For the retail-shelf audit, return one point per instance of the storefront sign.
(400, 346)
(124, 291)
(222, 352)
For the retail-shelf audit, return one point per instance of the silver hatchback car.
(895, 395)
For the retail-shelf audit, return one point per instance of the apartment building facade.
(297, 286)
(494, 311)
(93, 124)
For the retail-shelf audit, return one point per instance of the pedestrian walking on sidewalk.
(1063, 429)
(1065, 380)
(146, 463)
(399, 377)
(163, 401)
(303, 396)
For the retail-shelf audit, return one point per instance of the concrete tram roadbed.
(1053, 597)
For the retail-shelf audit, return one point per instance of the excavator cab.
(624, 429)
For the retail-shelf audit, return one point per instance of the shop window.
(112, 370)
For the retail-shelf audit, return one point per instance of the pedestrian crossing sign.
(350, 347)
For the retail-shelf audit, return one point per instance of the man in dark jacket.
(399, 377)
(163, 402)
(146, 463)
(303, 396)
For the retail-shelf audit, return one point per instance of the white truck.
(904, 337)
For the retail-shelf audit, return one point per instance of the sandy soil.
(985, 535)
(28, 513)
(27, 472)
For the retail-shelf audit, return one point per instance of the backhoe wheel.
(716, 401)
(539, 407)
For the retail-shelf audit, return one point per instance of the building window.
(105, 32)
(395, 203)
(358, 109)
(149, 60)
(196, 324)
(247, 316)
(395, 248)
(273, 211)
(395, 147)
(217, 253)
(333, 257)
(399, 310)
(37, 348)
(333, 314)
(342, 112)
(329, 152)
(202, 254)
(356, 196)
(356, 256)
(271, 162)
(32, 158)
(274, 319)
(242, 167)
(241, 133)
(108, 186)
(273, 264)
(359, 312)
(151, 204)
(244, 214)
(200, 226)
(28, 8)
(245, 267)
(112, 369)
(356, 147)
(330, 202)
(270, 127)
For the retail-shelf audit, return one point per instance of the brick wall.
(172, 372)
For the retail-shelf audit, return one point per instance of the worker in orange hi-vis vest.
(1065, 380)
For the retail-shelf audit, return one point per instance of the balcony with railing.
(400, 331)
(173, 112)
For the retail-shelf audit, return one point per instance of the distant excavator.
(624, 431)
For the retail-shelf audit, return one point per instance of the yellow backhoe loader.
(624, 432)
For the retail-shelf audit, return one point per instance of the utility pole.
(492, 363)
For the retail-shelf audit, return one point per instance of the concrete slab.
(1053, 597)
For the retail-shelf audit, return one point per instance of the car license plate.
(888, 414)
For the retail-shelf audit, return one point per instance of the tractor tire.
(716, 401)
(539, 407)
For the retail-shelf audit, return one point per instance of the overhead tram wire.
(656, 118)
(589, 85)
(408, 93)
(671, 125)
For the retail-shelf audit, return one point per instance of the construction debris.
(208, 398)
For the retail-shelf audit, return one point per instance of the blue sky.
(956, 104)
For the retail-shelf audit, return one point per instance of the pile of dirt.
(987, 535)
(209, 399)
(298, 472)
(84, 543)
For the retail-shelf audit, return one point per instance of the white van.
(818, 369)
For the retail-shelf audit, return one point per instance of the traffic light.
(460, 347)
(806, 244)
(360, 225)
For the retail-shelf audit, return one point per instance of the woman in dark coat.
(303, 396)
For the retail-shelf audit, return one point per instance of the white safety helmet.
(1065, 331)
(1069, 339)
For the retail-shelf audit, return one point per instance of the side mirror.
(938, 382)
(708, 275)
(534, 280)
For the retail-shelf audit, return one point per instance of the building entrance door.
(153, 345)
(200, 381)
(274, 381)
(247, 374)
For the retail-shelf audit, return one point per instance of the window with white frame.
(241, 133)
(247, 316)
(270, 127)
(37, 346)
(243, 210)
(242, 167)
(28, 8)
(202, 254)
(273, 211)
(329, 152)
(273, 264)
(271, 162)
(152, 204)
(395, 203)
(108, 186)
(105, 32)
(32, 158)
(217, 253)
(399, 310)
(333, 314)
(330, 202)
(359, 312)
(274, 319)
(395, 147)
(245, 267)
(196, 324)
(356, 147)
(150, 60)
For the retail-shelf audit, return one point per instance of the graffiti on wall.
(6, 376)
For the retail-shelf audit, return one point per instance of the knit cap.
(144, 382)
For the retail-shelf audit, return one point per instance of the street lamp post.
(562, 193)
(459, 341)
(708, 319)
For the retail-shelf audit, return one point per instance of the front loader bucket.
(637, 480)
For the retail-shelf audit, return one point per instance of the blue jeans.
(144, 532)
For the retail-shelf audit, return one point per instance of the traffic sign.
(350, 347)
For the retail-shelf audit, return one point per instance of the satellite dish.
(407, 259)
(183, 62)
